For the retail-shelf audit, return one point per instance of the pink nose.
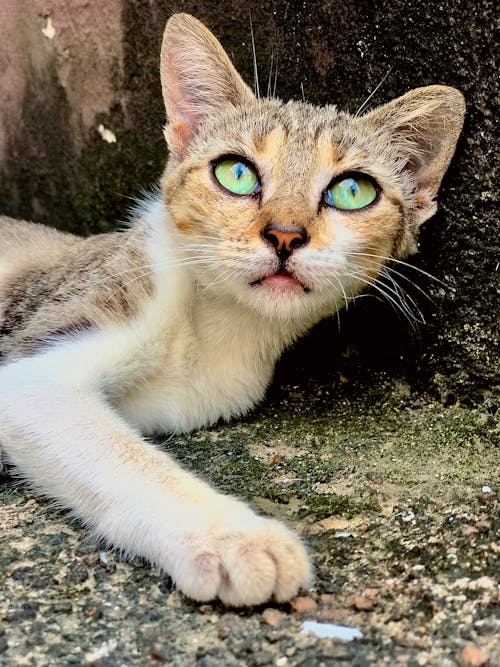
(284, 239)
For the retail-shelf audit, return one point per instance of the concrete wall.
(80, 134)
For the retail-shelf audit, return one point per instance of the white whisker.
(377, 87)
(344, 294)
(392, 300)
(255, 69)
(398, 261)
(270, 78)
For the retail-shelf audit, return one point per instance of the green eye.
(237, 176)
(351, 193)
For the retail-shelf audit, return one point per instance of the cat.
(270, 217)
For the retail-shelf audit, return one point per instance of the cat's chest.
(195, 383)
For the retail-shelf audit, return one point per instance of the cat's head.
(288, 207)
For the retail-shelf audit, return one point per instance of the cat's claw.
(247, 566)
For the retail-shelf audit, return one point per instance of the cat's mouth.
(282, 281)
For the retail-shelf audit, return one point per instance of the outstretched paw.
(259, 560)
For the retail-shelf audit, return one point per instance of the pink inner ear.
(177, 102)
(179, 135)
(181, 110)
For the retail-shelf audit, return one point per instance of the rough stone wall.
(80, 134)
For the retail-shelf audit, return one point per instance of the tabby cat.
(270, 216)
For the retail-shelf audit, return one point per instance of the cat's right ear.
(424, 126)
(198, 80)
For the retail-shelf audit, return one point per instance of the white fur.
(70, 420)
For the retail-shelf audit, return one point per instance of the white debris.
(49, 31)
(102, 652)
(409, 516)
(281, 661)
(103, 558)
(330, 630)
(486, 489)
(106, 134)
(483, 583)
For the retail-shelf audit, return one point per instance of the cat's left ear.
(424, 126)
(198, 80)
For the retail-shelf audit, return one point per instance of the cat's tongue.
(283, 281)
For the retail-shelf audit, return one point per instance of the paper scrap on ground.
(343, 632)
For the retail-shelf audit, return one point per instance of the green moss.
(330, 504)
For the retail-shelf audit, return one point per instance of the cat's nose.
(284, 239)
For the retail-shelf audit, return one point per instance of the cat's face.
(259, 198)
(289, 208)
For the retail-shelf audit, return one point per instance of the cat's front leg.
(71, 445)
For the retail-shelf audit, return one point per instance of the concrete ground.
(395, 494)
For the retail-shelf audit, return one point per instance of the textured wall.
(80, 134)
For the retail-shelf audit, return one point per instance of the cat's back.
(25, 246)
(53, 283)
(31, 240)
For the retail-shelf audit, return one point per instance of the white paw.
(244, 564)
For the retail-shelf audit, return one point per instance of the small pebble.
(410, 640)
(331, 523)
(483, 525)
(158, 653)
(205, 609)
(272, 617)
(363, 603)
(303, 604)
(483, 583)
(472, 656)
(371, 592)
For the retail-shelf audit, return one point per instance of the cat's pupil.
(354, 188)
(238, 170)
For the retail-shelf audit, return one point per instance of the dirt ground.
(395, 494)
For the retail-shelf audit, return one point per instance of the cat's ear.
(424, 126)
(198, 80)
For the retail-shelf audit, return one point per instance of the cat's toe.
(268, 562)
(200, 577)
